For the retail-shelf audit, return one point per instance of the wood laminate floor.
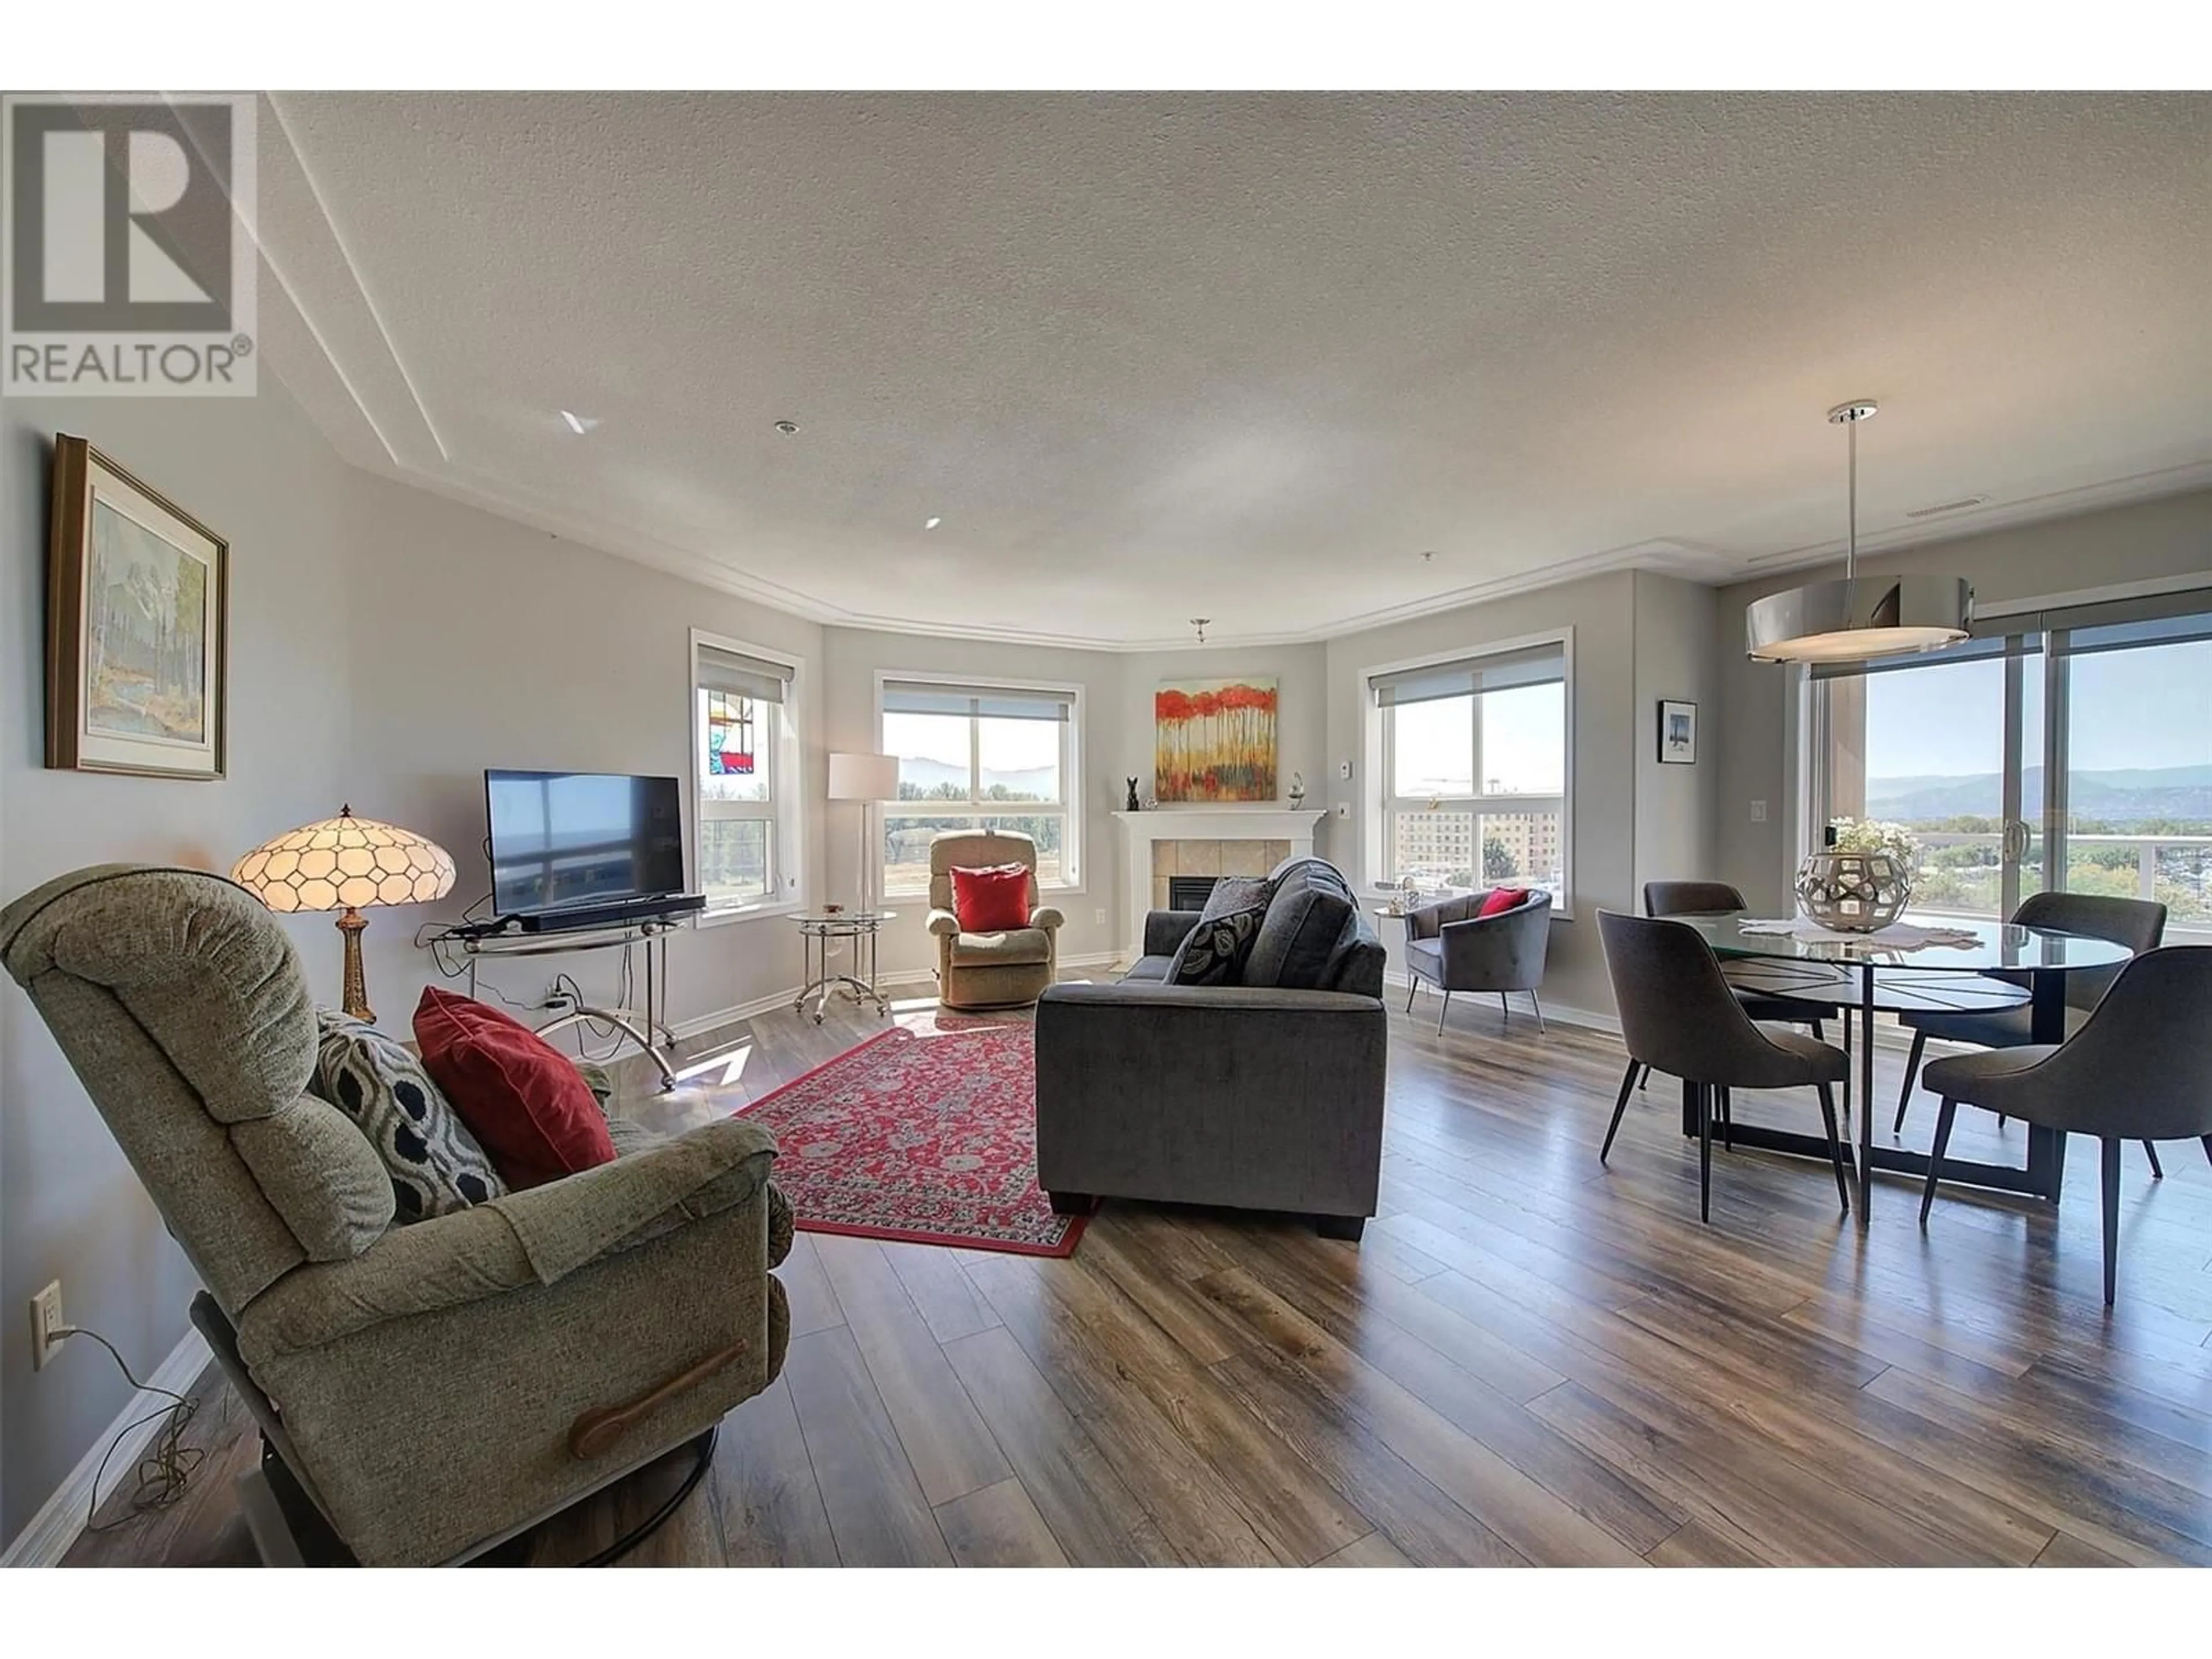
(1530, 1359)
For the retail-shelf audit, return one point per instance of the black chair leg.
(1619, 1106)
(1412, 987)
(1817, 1035)
(2151, 1153)
(1911, 1073)
(1705, 1152)
(2207, 1149)
(1644, 1082)
(2111, 1172)
(1945, 1114)
(1728, 1121)
(1835, 1144)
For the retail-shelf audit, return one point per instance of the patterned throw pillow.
(1213, 951)
(435, 1164)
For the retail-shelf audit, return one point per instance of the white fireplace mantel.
(1138, 830)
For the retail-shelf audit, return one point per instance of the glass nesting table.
(818, 931)
(1868, 976)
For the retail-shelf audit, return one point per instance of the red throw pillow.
(1501, 899)
(521, 1098)
(991, 901)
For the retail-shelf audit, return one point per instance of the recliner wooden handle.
(598, 1429)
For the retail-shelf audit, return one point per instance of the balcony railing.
(2176, 870)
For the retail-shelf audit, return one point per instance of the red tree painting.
(1214, 740)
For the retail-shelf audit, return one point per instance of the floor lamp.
(867, 779)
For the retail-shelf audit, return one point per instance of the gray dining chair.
(1692, 899)
(2138, 924)
(1455, 948)
(2137, 1070)
(1680, 1015)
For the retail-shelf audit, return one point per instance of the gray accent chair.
(2137, 1070)
(433, 1388)
(1008, 969)
(2139, 924)
(1448, 945)
(1698, 898)
(1264, 1096)
(1678, 1015)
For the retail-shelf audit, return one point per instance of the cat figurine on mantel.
(1135, 805)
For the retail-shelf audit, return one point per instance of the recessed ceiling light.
(579, 424)
(930, 524)
(787, 427)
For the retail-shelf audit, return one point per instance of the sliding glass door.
(2065, 749)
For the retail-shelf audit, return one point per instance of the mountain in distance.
(2123, 796)
(928, 774)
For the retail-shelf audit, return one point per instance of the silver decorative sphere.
(1853, 892)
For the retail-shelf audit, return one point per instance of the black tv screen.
(565, 838)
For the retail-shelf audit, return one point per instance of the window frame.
(1382, 805)
(778, 738)
(1068, 809)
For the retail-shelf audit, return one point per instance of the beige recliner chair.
(989, 970)
(431, 1388)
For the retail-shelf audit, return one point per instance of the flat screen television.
(565, 839)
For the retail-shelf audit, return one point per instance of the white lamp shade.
(864, 777)
(345, 862)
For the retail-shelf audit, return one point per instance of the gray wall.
(477, 642)
(1602, 612)
(70, 1208)
(2146, 541)
(1677, 807)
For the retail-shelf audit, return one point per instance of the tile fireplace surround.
(1205, 841)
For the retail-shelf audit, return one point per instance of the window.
(2064, 748)
(745, 775)
(976, 756)
(1473, 768)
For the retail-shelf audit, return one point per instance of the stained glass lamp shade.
(347, 863)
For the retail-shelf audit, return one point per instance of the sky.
(2148, 707)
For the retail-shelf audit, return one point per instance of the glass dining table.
(1867, 975)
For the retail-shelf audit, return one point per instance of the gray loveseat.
(1266, 1095)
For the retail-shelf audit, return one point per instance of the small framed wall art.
(137, 635)
(1678, 734)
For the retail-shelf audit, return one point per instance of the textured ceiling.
(1250, 357)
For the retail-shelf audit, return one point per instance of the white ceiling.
(1247, 357)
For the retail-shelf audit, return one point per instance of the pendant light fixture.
(1859, 616)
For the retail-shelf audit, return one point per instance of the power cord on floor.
(168, 1463)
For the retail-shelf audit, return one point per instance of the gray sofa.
(1266, 1095)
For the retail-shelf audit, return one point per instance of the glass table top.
(1996, 945)
(859, 919)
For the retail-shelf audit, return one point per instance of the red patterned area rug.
(925, 1137)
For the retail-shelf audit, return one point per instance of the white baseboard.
(50, 1532)
(1589, 1019)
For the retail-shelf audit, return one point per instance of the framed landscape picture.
(1678, 734)
(1214, 740)
(137, 596)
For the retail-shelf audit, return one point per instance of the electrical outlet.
(557, 1001)
(1098, 917)
(1758, 812)
(1343, 809)
(1344, 770)
(45, 1320)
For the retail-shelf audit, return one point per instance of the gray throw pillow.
(436, 1165)
(1213, 951)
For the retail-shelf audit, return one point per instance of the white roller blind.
(1541, 665)
(735, 672)
(988, 702)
